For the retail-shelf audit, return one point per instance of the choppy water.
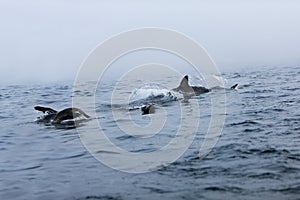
(257, 156)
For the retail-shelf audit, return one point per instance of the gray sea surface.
(256, 157)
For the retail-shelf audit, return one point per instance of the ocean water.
(256, 157)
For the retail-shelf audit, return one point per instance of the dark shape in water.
(45, 109)
(185, 88)
(234, 86)
(58, 117)
(148, 109)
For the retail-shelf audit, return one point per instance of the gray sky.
(49, 39)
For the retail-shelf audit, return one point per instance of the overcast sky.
(49, 39)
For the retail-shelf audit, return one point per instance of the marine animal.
(148, 109)
(234, 86)
(58, 117)
(186, 89)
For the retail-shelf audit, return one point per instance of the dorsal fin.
(234, 86)
(184, 82)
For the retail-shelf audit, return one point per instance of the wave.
(152, 93)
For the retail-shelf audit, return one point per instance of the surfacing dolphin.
(234, 87)
(186, 89)
(55, 117)
(148, 109)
